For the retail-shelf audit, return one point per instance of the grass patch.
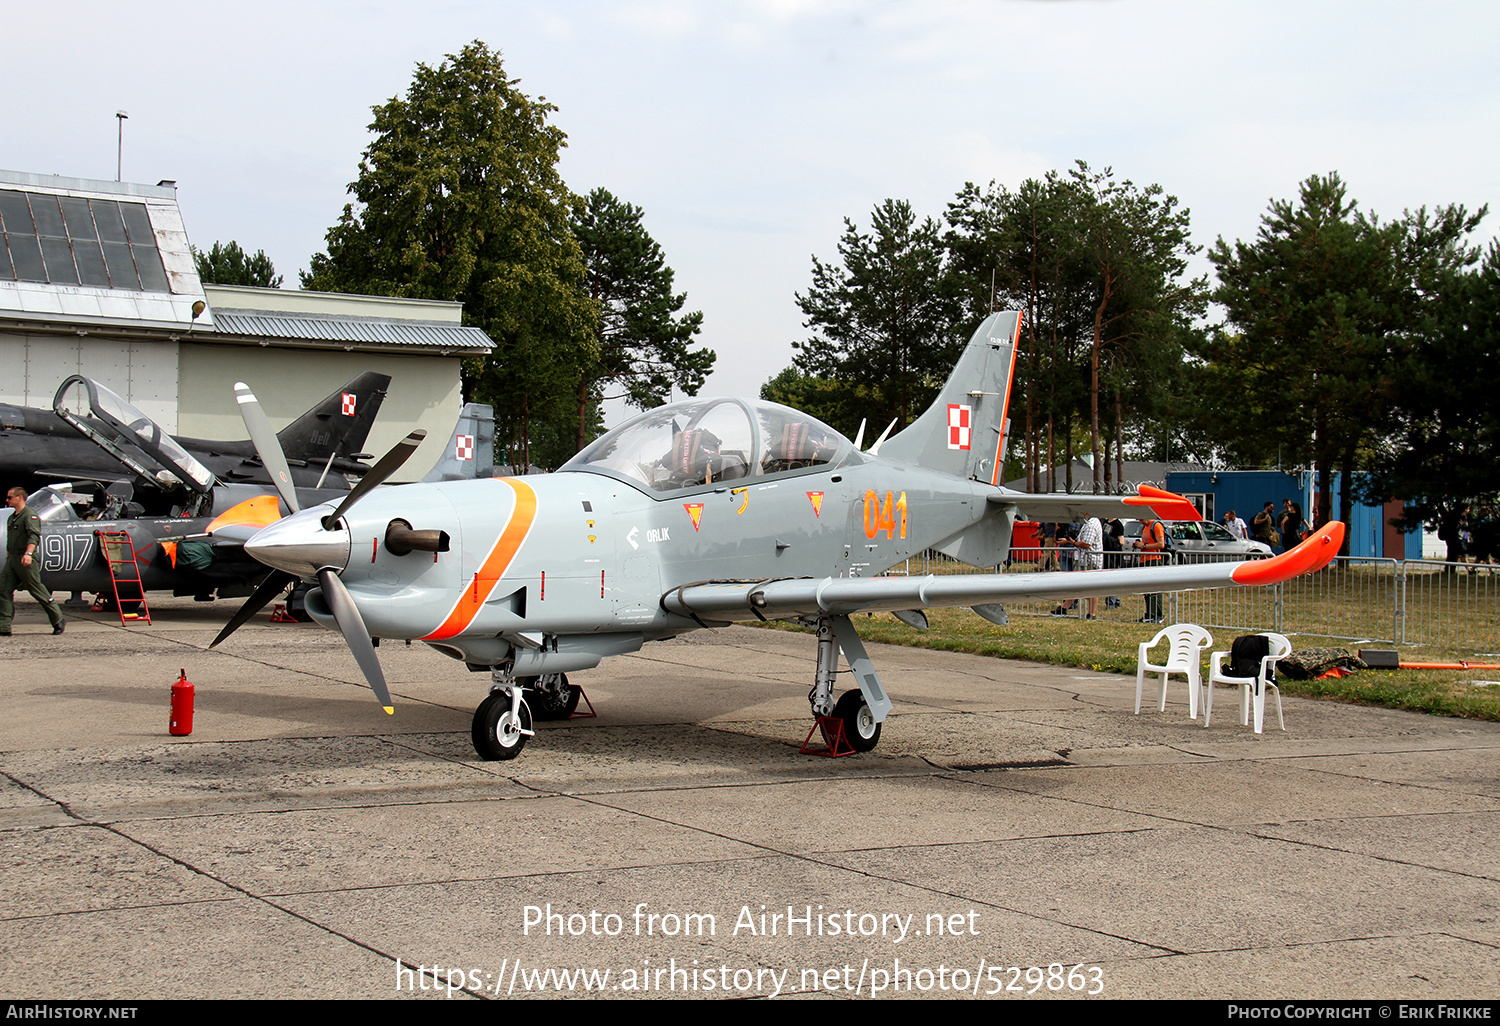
(1111, 647)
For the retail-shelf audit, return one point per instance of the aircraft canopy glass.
(706, 441)
(130, 427)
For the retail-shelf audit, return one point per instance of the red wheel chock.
(583, 696)
(835, 743)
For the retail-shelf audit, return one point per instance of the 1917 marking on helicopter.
(699, 514)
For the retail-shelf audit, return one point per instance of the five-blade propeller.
(340, 602)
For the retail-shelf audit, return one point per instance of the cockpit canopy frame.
(710, 442)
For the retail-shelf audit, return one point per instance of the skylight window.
(69, 240)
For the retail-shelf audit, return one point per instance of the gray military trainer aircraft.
(699, 514)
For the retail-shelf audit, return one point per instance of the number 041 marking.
(882, 516)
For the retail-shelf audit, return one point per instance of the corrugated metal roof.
(350, 331)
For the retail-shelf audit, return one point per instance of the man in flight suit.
(23, 536)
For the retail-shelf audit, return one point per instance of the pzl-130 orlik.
(699, 514)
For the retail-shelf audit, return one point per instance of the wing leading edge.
(841, 596)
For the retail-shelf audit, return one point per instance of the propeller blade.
(388, 465)
(352, 626)
(267, 447)
(275, 582)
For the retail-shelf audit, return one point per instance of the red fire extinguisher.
(182, 706)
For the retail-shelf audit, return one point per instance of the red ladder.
(124, 575)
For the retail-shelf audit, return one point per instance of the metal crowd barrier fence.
(1450, 606)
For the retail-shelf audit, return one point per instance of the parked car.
(1200, 541)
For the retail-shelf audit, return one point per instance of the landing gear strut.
(861, 711)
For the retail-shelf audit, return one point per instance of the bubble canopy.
(706, 442)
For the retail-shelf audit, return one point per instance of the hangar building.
(97, 278)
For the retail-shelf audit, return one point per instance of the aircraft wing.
(1061, 507)
(770, 600)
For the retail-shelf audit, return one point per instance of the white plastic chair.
(1251, 688)
(1185, 656)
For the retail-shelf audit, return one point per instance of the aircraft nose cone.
(299, 544)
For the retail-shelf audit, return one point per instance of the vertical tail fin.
(471, 450)
(964, 432)
(340, 424)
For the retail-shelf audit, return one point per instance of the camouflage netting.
(1314, 662)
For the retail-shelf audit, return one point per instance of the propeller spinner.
(304, 546)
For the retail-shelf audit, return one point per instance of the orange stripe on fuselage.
(1015, 342)
(477, 589)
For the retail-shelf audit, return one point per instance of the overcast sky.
(748, 129)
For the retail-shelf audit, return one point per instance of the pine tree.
(459, 198)
(643, 341)
(227, 264)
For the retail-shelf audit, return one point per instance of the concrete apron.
(1018, 830)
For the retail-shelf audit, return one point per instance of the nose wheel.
(501, 726)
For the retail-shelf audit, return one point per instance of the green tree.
(227, 264)
(1440, 446)
(887, 317)
(642, 339)
(1098, 269)
(1019, 250)
(839, 404)
(1326, 302)
(459, 198)
(1137, 246)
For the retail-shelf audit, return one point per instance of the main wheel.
(497, 735)
(551, 695)
(859, 722)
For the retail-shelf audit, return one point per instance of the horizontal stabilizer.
(1063, 507)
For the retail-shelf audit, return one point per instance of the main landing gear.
(860, 728)
(552, 697)
(859, 712)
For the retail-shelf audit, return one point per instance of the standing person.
(22, 537)
(1067, 548)
(1114, 535)
(1067, 534)
(1152, 543)
(1236, 526)
(1090, 542)
(1049, 546)
(1263, 526)
(1292, 525)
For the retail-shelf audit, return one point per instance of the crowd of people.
(1099, 545)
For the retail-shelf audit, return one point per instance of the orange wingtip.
(1166, 505)
(261, 511)
(1313, 554)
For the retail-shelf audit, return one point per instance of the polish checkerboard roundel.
(348, 404)
(958, 426)
(463, 447)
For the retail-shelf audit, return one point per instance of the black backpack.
(1246, 653)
